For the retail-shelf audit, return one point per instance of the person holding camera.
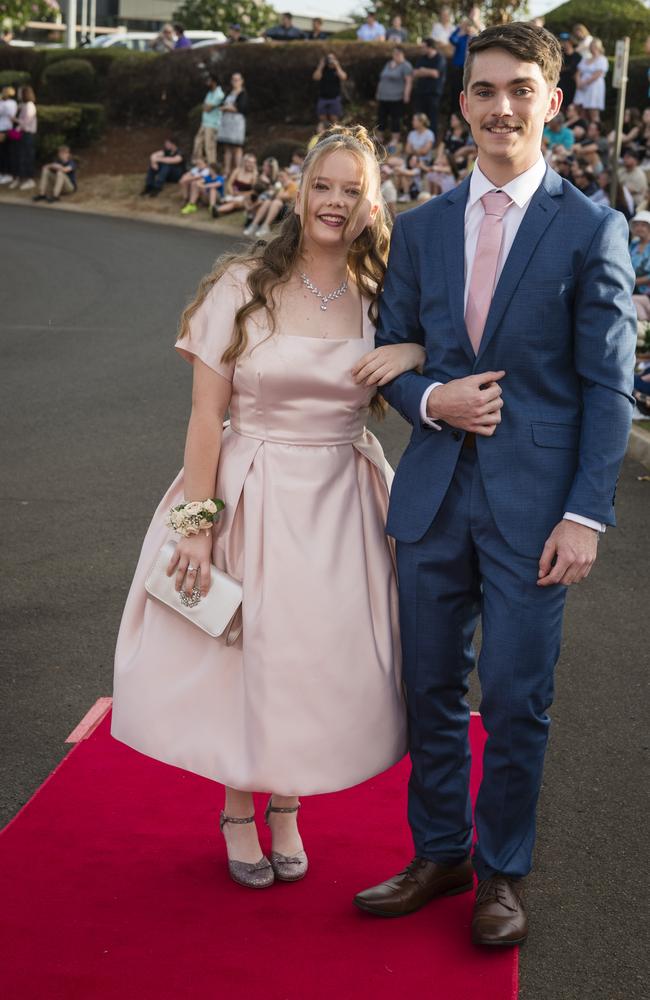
(329, 74)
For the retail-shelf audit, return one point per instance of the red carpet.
(114, 884)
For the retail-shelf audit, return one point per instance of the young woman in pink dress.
(309, 699)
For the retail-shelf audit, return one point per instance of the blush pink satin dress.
(310, 698)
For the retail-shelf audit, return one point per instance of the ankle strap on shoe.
(223, 819)
(279, 809)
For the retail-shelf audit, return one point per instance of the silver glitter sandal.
(258, 875)
(286, 868)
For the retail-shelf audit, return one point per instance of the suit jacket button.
(457, 435)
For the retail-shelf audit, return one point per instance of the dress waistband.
(299, 441)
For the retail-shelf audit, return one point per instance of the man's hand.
(471, 404)
(568, 555)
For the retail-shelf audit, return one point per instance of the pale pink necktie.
(484, 270)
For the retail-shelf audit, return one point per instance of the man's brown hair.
(525, 42)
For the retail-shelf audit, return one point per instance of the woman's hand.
(385, 363)
(191, 562)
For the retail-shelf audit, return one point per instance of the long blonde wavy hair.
(270, 266)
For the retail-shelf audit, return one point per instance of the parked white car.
(140, 41)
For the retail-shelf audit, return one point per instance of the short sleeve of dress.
(212, 325)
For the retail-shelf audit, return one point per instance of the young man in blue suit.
(519, 288)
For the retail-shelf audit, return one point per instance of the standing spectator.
(182, 41)
(22, 149)
(393, 92)
(8, 111)
(570, 62)
(235, 34)
(164, 40)
(429, 77)
(329, 74)
(396, 33)
(233, 122)
(556, 133)
(590, 92)
(420, 139)
(475, 14)
(371, 30)
(285, 31)
(316, 34)
(459, 38)
(443, 29)
(58, 177)
(205, 140)
(166, 165)
(633, 177)
(583, 39)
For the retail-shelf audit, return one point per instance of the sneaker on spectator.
(14, 184)
(263, 230)
(6, 178)
(27, 185)
(404, 197)
(52, 198)
(38, 197)
(250, 229)
(189, 209)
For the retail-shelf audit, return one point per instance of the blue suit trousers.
(463, 570)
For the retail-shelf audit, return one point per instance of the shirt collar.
(521, 189)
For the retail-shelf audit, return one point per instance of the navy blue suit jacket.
(562, 325)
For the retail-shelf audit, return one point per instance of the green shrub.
(606, 19)
(48, 143)
(60, 118)
(133, 89)
(14, 78)
(70, 80)
(91, 126)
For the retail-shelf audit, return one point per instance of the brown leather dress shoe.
(419, 883)
(499, 914)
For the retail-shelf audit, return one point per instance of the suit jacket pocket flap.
(556, 435)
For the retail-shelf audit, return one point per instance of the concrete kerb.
(639, 445)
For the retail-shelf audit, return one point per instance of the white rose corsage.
(197, 515)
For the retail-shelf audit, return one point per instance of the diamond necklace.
(324, 299)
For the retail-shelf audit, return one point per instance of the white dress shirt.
(520, 190)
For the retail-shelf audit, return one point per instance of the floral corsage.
(190, 518)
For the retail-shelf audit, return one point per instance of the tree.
(216, 15)
(18, 12)
(419, 15)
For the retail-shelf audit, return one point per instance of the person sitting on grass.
(58, 177)
(208, 188)
(166, 166)
(409, 178)
(239, 184)
(265, 188)
(200, 169)
(275, 209)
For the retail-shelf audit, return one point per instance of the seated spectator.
(275, 209)
(371, 30)
(409, 179)
(570, 62)
(632, 128)
(623, 203)
(584, 178)
(633, 177)
(443, 29)
(166, 166)
(205, 140)
(329, 74)
(297, 163)
(240, 183)
(388, 190)
(164, 40)
(444, 174)
(235, 34)
(284, 31)
(640, 251)
(458, 141)
(200, 168)
(58, 177)
(208, 188)
(429, 76)
(182, 42)
(316, 34)
(594, 142)
(420, 139)
(643, 143)
(393, 92)
(396, 33)
(558, 134)
(575, 118)
(264, 189)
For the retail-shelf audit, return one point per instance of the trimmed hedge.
(73, 124)
(14, 78)
(69, 80)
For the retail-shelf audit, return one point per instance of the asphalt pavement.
(94, 406)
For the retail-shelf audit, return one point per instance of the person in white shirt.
(520, 291)
(8, 109)
(442, 30)
(371, 30)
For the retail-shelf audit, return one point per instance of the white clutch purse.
(215, 613)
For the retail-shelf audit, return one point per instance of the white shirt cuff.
(423, 408)
(579, 519)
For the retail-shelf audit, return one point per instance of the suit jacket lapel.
(453, 246)
(541, 211)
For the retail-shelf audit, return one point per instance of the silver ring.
(192, 569)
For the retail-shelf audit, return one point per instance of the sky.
(343, 8)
